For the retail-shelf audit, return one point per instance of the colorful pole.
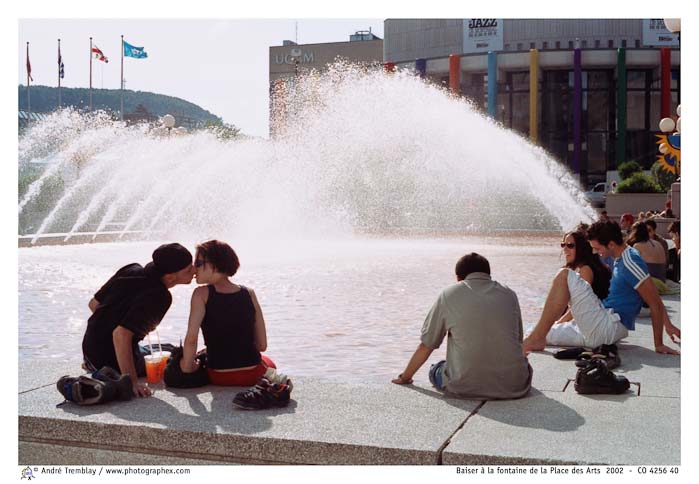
(492, 84)
(533, 95)
(420, 67)
(621, 106)
(90, 73)
(577, 109)
(455, 73)
(664, 83)
(389, 66)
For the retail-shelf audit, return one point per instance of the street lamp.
(672, 24)
(296, 55)
(169, 122)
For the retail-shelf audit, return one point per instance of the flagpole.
(122, 77)
(29, 105)
(90, 73)
(59, 73)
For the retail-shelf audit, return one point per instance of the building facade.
(590, 91)
(290, 60)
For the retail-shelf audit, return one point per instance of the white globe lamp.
(672, 24)
(168, 121)
(666, 125)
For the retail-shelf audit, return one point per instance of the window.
(584, 44)
(532, 45)
(513, 101)
(597, 44)
(570, 44)
(623, 43)
(507, 46)
(637, 43)
(610, 43)
(597, 122)
(558, 44)
(545, 45)
(520, 46)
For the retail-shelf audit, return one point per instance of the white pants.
(592, 324)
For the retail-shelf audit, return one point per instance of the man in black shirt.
(130, 305)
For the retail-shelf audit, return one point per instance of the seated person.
(130, 305)
(483, 325)
(652, 227)
(626, 222)
(230, 319)
(674, 231)
(605, 322)
(651, 251)
(579, 257)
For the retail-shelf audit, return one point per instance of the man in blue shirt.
(604, 322)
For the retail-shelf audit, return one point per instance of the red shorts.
(241, 378)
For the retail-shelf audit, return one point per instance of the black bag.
(175, 378)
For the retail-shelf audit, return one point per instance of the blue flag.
(135, 52)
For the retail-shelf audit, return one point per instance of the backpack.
(175, 378)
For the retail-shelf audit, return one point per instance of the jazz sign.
(483, 34)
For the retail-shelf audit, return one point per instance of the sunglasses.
(570, 246)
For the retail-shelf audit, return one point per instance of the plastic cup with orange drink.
(155, 366)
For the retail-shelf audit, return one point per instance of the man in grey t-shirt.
(483, 325)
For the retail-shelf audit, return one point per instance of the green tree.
(662, 177)
(44, 99)
(221, 130)
(627, 169)
(639, 182)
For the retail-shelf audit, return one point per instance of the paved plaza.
(330, 422)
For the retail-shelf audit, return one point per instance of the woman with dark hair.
(651, 251)
(579, 257)
(230, 319)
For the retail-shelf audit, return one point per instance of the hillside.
(45, 99)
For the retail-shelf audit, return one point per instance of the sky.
(221, 65)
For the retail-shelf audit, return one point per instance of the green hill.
(44, 99)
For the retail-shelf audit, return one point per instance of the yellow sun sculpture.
(669, 157)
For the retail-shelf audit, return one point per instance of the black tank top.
(229, 330)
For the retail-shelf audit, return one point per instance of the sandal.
(569, 353)
(608, 354)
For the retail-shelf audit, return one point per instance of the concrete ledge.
(333, 423)
(568, 428)
(326, 424)
(74, 455)
(79, 238)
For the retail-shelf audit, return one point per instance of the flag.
(29, 67)
(135, 52)
(98, 54)
(61, 73)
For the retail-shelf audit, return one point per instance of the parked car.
(597, 195)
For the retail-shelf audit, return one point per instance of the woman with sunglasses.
(579, 257)
(230, 319)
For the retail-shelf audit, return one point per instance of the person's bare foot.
(531, 343)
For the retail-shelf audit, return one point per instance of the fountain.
(359, 152)
(348, 222)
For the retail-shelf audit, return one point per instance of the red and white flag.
(98, 54)
(29, 67)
